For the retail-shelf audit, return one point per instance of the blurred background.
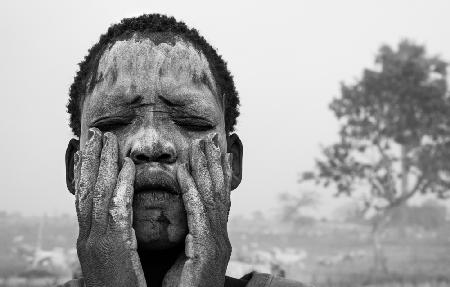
(345, 121)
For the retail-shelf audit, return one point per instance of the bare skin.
(149, 96)
(152, 176)
(107, 245)
(206, 196)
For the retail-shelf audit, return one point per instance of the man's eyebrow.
(209, 82)
(118, 107)
(133, 103)
(136, 102)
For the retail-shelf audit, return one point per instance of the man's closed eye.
(194, 123)
(112, 123)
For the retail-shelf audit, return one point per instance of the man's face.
(157, 99)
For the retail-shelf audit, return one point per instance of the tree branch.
(420, 184)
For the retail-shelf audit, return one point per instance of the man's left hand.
(206, 196)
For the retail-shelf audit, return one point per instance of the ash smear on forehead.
(138, 66)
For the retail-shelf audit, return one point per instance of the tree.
(394, 138)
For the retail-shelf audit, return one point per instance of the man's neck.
(156, 263)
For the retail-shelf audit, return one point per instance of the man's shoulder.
(73, 283)
(267, 280)
(255, 280)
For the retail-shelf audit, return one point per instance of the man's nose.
(152, 146)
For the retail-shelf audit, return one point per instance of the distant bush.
(430, 216)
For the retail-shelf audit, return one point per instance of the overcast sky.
(287, 59)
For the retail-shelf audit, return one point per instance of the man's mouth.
(156, 181)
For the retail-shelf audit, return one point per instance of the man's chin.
(158, 236)
(160, 227)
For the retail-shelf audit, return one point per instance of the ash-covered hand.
(106, 245)
(206, 196)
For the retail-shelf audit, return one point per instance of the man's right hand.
(106, 245)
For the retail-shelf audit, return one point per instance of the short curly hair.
(146, 25)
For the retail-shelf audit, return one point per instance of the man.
(154, 108)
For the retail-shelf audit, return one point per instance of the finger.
(213, 157)
(188, 273)
(189, 246)
(90, 159)
(195, 210)
(106, 182)
(120, 211)
(173, 276)
(227, 161)
(199, 167)
(77, 170)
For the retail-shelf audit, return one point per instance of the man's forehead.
(139, 63)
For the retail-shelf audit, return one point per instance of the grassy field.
(324, 254)
(341, 255)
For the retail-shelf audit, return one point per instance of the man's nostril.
(165, 157)
(144, 158)
(141, 158)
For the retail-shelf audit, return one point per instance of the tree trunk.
(405, 170)
(380, 260)
(380, 224)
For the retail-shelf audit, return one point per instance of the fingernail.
(185, 165)
(76, 158)
(91, 133)
(215, 140)
(106, 137)
(230, 159)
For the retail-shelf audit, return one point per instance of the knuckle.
(190, 192)
(83, 156)
(202, 164)
(209, 200)
(83, 184)
(118, 218)
(99, 195)
(98, 192)
(97, 247)
(213, 252)
(210, 253)
(90, 244)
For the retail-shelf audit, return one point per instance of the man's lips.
(150, 179)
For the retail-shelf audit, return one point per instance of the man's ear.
(72, 148)
(234, 146)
